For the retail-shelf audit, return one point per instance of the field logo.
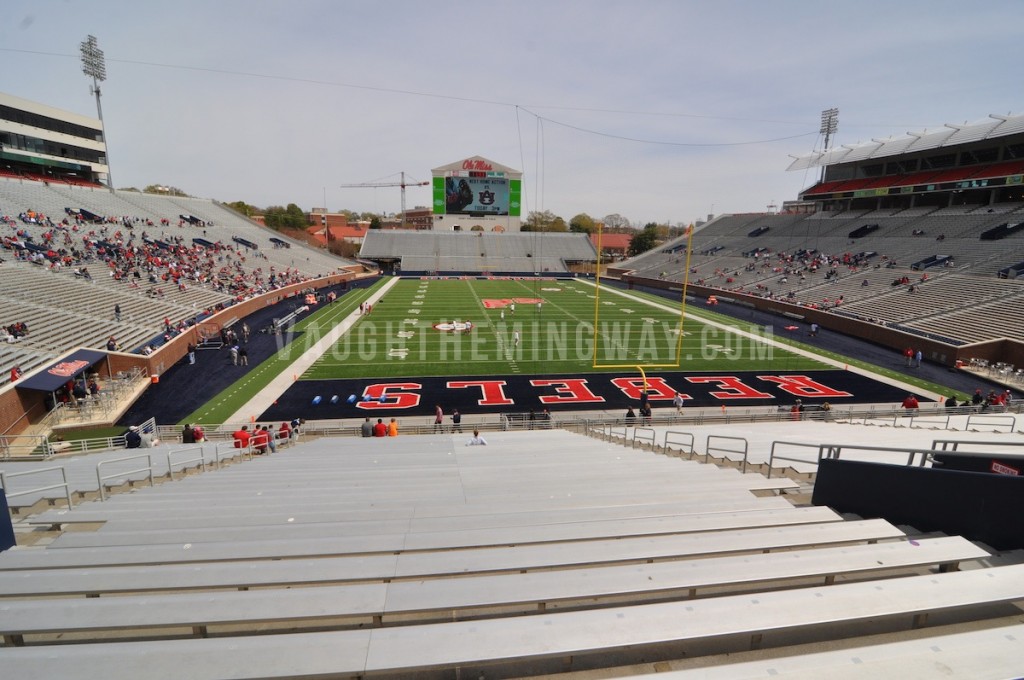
(454, 326)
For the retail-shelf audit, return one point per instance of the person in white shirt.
(477, 439)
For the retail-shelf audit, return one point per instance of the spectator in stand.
(260, 440)
(366, 429)
(15, 373)
(268, 434)
(456, 421)
(198, 434)
(393, 428)
(133, 438)
(380, 429)
(477, 439)
(242, 437)
(911, 404)
(285, 431)
(951, 401)
(188, 435)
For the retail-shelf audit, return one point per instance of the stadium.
(701, 461)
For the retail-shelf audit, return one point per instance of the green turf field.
(399, 337)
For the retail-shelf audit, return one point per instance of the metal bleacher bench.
(242, 565)
(460, 534)
(412, 648)
(531, 591)
(478, 548)
(989, 653)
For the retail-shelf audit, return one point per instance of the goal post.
(596, 340)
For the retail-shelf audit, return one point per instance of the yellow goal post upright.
(679, 327)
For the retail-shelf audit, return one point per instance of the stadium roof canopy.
(926, 140)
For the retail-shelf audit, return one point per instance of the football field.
(496, 345)
(447, 327)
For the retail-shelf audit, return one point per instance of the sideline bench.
(407, 649)
(535, 590)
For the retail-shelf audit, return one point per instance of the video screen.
(476, 196)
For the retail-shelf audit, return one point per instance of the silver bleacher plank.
(23, 617)
(420, 519)
(407, 649)
(989, 654)
(149, 568)
(404, 539)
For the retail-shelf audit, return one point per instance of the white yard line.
(775, 343)
(266, 397)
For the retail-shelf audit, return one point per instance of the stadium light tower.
(829, 125)
(94, 66)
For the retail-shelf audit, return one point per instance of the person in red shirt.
(910, 403)
(260, 440)
(380, 429)
(285, 431)
(242, 437)
(15, 373)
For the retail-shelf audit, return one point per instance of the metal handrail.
(978, 417)
(201, 459)
(645, 434)
(101, 479)
(772, 457)
(666, 442)
(4, 476)
(744, 451)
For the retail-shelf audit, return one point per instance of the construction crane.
(377, 185)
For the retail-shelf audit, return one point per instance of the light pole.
(94, 66)
(829, 125)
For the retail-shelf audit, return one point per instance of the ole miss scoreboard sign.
(590, 392)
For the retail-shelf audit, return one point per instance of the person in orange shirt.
(393, 428)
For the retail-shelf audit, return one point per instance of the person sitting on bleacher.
(260, 440)
(242, 437)
(133, 439)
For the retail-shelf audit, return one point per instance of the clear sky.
(658, 110)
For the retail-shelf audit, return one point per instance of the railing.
(221, 450)
(4, 476)
(645, 435)
(953, 445)
(666, 446)
(772, 456)
(708, 448)
(200, 459)
(100, 478)
(994, 421)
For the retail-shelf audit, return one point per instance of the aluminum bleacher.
(541, 552)
(721, 259)
(478, 251)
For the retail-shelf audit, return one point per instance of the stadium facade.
(43, 142)
(980, 163)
